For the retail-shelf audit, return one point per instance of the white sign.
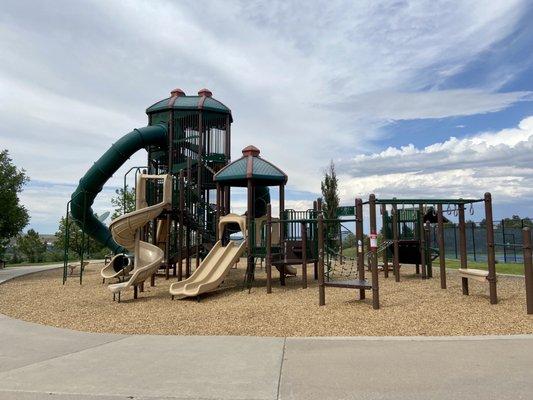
(373, 241)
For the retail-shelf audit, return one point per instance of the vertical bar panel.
(422, 241)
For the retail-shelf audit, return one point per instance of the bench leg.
(135, 292)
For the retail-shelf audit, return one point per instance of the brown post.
(396, 259)
(491, 257)
(304, 255)
(462, 245)
(359, 243)
(385, 257)
(181, 220)
(442, 259)
(251, 231)
(528, 269)
(282, 270)
(373, 249)
(227, 151)
(321, 287)
(429, 265)
(187, 252)
(268, 256)
(217, 214)
(422, 240)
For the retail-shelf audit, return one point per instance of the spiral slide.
(126, 232)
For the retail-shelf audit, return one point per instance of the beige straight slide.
(211, 272)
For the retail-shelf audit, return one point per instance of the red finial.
(250, 151)
(205, 92)
(177, 92)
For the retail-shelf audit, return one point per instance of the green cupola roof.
(251, 167)
(178, 100)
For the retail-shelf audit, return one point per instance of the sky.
(407, 98)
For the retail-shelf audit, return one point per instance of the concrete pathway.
(39, 361)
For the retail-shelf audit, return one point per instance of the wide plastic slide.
(211, 272)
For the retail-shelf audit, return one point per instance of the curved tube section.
(93, 181)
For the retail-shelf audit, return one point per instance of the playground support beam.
(462, 245)
(181, 221)
(427, 237)
(321, 287)
(360, 244)
(442, 260)
(268, 256)
(375, 275)
(304, 255)
(385, 254)
(528, 269)
(422, 238)
(491, 257)
(396, 259)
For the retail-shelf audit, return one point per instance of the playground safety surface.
(413, 307)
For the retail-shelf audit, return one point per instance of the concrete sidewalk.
(40, 361)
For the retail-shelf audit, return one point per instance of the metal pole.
(360, 244)
(528, 269)
(491, 256)
(268, 256)
(462, 245)
(304, 255)
(396, 259)
(321, 287)
(373, 249)
(442, 259)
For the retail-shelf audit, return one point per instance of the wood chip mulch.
(412, 307)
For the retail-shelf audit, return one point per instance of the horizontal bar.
(426, 201)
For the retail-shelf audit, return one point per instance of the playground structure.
(176, 222)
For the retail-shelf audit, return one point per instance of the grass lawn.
(36, 264)
(501, 268)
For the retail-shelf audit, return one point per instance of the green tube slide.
(93, 181)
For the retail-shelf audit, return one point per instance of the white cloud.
(78, 76)
(500, 162)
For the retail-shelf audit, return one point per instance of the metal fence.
(507, 236)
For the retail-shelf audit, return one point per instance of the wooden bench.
(475, 274)
(350, 284)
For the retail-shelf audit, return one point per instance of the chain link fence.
(507, 237)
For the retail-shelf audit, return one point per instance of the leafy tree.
(31, 246)
(330, 195)
(91, 246)
(13, 216)
(122, 198)
(349, 241)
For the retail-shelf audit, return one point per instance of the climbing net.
(339, 266)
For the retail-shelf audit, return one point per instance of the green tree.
(330, 195)
(349, 241)
(89, 247)
(123, 198)
(31, 246)
(13, 216)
